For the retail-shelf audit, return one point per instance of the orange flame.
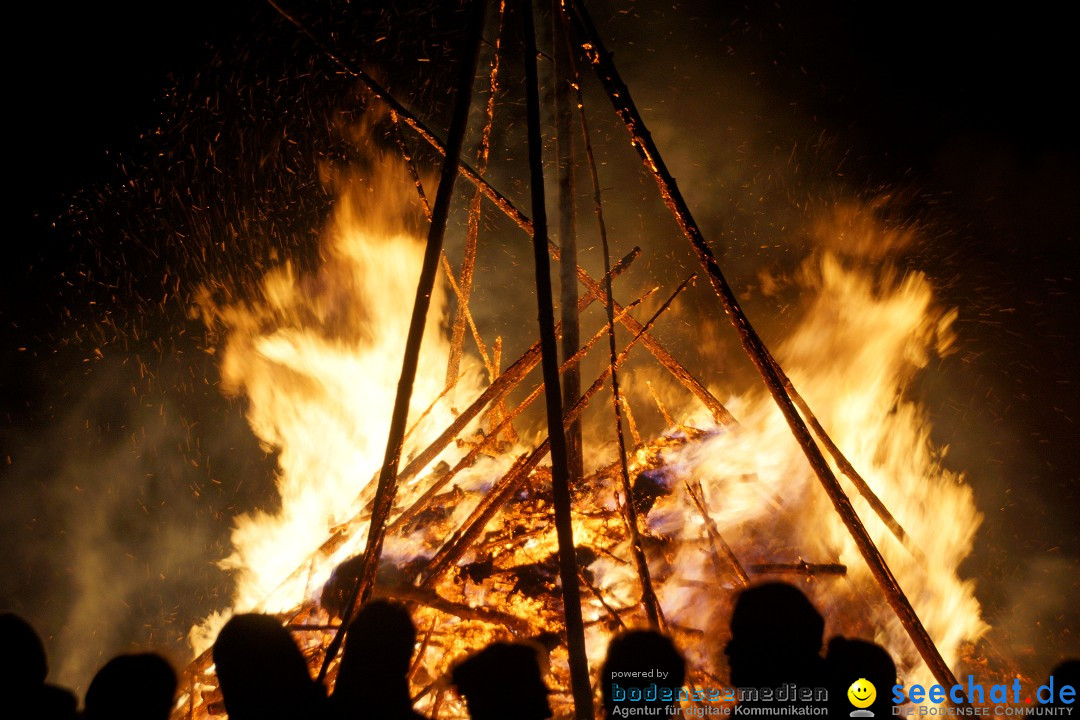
(317, 359)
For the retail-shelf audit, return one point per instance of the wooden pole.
(468, 264)
(497, 496)
(490, 439)
(653, 611)
(567, 203)
(387, 485)
(580, 686)
(680, 373)
(845, 465)
(748, 337)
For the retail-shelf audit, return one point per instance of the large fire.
(316, 357)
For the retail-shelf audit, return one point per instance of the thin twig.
(468, 264)
(648, 594)
(715, 538)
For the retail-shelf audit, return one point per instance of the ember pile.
(723, 496)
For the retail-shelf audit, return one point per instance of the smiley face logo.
(862, 693)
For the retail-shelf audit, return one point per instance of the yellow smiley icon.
(862, 693)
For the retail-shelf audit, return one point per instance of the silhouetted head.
(382, 638)
(1066, 673)
(262, 672)
(776, 636)
(849, 661)
(502, 681)
(131, 687)
(379, 646)
(22, 655)
(645, 662)
(23, 669)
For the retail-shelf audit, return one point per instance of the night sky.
(964, 111)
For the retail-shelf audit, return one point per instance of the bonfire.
(410, 466)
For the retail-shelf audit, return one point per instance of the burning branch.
(648, 593)
(799, 568)
(697, 494)
(468, 264)
(678, 371)
(462, 294)
(844, 465)
(560, 482)
(642, 141)
(492, 437)
(387, 487)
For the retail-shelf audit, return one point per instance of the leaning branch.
(387, 487)
(679, 372)
(619, 94)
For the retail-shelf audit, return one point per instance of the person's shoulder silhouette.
(504, 680)
(1066, 673)
(262, 672)
(850, 664)
(643, 669)
(131, 687)
(372, 680)
(23, 669)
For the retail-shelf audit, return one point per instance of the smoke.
(780, 133)
(1038, 626)
(120, 492)
(112, 507)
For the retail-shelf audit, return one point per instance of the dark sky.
(969, 106)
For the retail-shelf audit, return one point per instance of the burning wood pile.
(469, 521)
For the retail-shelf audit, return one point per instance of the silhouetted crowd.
(776, 645)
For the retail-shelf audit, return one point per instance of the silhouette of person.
(131, 687)
(848, 661)
(504, 680)
(262, 673)
(776, 638)
(23, 669)
(1066, 673)
(643, 669)
(372, 680)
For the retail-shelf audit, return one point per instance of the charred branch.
(642, 141)
(387, 487)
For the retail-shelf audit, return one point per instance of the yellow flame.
(317, 359)
(863, 337)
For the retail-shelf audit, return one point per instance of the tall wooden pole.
(568, 568)
(649, 599)
(387, 487)
(568, 290)
(680, 373)
(752, 344)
